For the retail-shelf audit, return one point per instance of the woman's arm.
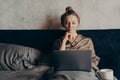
(95, 59)
(64, 40)
(62, 47)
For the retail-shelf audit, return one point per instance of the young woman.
(74, 41)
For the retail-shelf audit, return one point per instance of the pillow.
(17, 57)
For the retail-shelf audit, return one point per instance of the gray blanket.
(20, 63)
(28, 74)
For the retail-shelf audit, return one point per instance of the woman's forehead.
(71, 17)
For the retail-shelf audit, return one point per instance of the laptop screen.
(73, 60)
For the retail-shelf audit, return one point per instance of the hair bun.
(68, 8)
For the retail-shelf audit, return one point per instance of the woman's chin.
(70, 31)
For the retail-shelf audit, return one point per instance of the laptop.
(71, 60)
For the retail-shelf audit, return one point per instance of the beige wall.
(45, 14)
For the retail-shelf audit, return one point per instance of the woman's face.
(71, 23)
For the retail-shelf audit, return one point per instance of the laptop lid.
(73, 60)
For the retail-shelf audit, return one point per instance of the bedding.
(20, 63)
(16, 57)
(35, 73)
(72, 75)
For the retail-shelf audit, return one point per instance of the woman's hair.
(69, 11)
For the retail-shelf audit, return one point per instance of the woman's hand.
(67, 36)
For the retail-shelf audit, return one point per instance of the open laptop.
(71, 60)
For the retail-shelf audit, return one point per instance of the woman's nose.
(70, 25)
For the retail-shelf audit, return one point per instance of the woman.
(74, 41)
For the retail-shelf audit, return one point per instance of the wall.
(45, 14)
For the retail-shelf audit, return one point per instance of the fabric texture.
(16, 57)
(20, 63)
(35, 73)
(72, 75)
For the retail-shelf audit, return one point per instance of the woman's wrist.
(63, 45)
(64, 41)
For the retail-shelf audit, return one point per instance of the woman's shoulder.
(58, 41)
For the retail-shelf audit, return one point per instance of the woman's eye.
(66, 23)
(73, 23)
